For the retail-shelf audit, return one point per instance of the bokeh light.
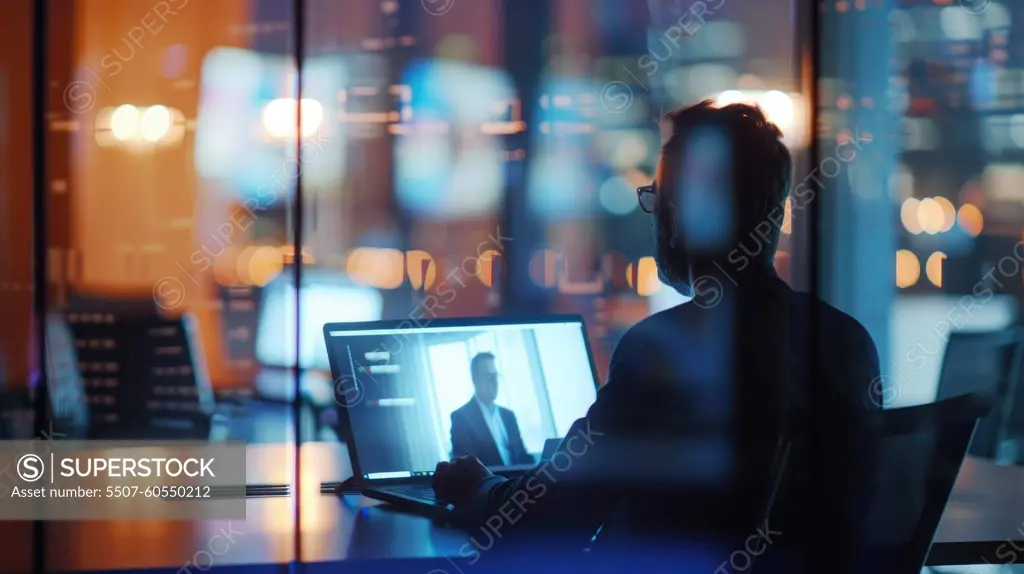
(155, 123)
(730, 97)
(124, 122)
(279, 118)
(787, 217)
(930, 216)
(948, 213)
(382, 268)
(617, 196)
(908, 215)
(265, 265)
(487, 261)
(970, 219)
(908, 269)
(778, 106)
(421, 268)
(933, 268)
(647, 282)
(225, 263)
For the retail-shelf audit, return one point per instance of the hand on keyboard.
(456, 482)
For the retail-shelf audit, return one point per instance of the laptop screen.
(421, 395)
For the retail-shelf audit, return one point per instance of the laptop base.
(407, 504)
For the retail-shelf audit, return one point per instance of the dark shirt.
(680, 441)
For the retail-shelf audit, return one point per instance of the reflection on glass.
(323, 300)
(246, 126)
(449, 162)
(563, 179)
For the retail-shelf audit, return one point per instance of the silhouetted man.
(680, 443)
(483, 429)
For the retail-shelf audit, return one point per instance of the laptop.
(407, 397)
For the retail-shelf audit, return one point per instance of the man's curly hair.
(761, 172)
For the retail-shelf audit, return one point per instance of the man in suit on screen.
(483, 429)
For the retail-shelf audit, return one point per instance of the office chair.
(98, 344)
(1008, 410)
(146, 378)
(976, 362)
(986, 362)
(922, 450)
(176, 397)
(611, 539)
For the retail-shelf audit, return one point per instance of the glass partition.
(224, 177)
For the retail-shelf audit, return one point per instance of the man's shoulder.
(835, 329)
(649, 343)
(653, 326)
(833, 325)
(463, 410)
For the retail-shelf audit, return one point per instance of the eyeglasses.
(646, 195)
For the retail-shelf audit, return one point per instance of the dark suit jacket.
(471, 435)
(690, 382)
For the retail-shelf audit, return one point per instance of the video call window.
(497, 392)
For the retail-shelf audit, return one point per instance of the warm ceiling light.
(140, 128)
(124, 122)
(155, 123)
(279, 118)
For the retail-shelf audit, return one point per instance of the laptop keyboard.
(419, 491)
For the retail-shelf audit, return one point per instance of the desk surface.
(333, 528)
(985, 510)
(987, 507)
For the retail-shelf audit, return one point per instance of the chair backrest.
(985, 362)
(145, 376)
(177, 396)
(922, 450)
(976, 362)
(1009, 410)
(614, 535)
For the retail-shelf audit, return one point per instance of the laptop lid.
(411, 395)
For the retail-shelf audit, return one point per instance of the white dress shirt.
(492, 416)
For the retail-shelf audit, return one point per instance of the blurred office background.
(464, 158)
